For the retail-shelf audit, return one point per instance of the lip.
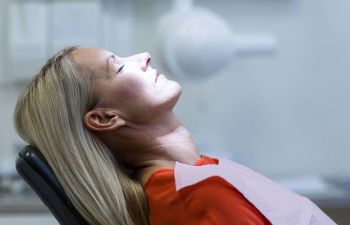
(157, 75)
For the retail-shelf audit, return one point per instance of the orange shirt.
(211, 201)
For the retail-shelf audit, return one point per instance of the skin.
(134, 114)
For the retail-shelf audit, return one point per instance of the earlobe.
(102, 120)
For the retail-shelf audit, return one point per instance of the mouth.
(156, 76)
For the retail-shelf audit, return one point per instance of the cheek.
(134, 96)
(140, 99)
(134, 90)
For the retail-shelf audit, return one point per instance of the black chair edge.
(34, 169)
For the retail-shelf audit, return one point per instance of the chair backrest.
(34, 169)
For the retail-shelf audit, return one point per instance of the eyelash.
(120, 68)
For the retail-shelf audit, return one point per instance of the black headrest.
(34, 169)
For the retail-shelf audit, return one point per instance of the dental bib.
(278, 204)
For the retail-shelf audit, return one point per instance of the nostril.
(146, 62)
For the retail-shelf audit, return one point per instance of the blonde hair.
(49, 116)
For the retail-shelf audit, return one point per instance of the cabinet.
(35, 30)
(28, 219)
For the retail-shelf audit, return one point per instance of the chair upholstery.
(34, 169)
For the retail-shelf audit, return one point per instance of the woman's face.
(129, 84)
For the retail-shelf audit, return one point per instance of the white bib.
(278, 204)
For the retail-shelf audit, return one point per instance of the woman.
(106, 126)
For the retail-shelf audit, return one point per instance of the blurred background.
(281, 107)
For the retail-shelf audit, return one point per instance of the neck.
(145, 148)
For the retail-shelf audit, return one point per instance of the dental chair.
(33, 168)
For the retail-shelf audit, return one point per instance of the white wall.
(1, 37)
(286, 114)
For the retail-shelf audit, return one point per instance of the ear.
(101, 120)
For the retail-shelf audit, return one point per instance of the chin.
(178, 86)
(178, 90)
(176, 96)
(173, 96)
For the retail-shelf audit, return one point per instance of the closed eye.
(120, 68)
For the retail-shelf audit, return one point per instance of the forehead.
(92, 58)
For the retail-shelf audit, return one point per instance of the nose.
(145, 60)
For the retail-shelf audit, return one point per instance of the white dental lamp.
(195, 43)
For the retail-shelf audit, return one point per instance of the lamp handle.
(248, 44)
